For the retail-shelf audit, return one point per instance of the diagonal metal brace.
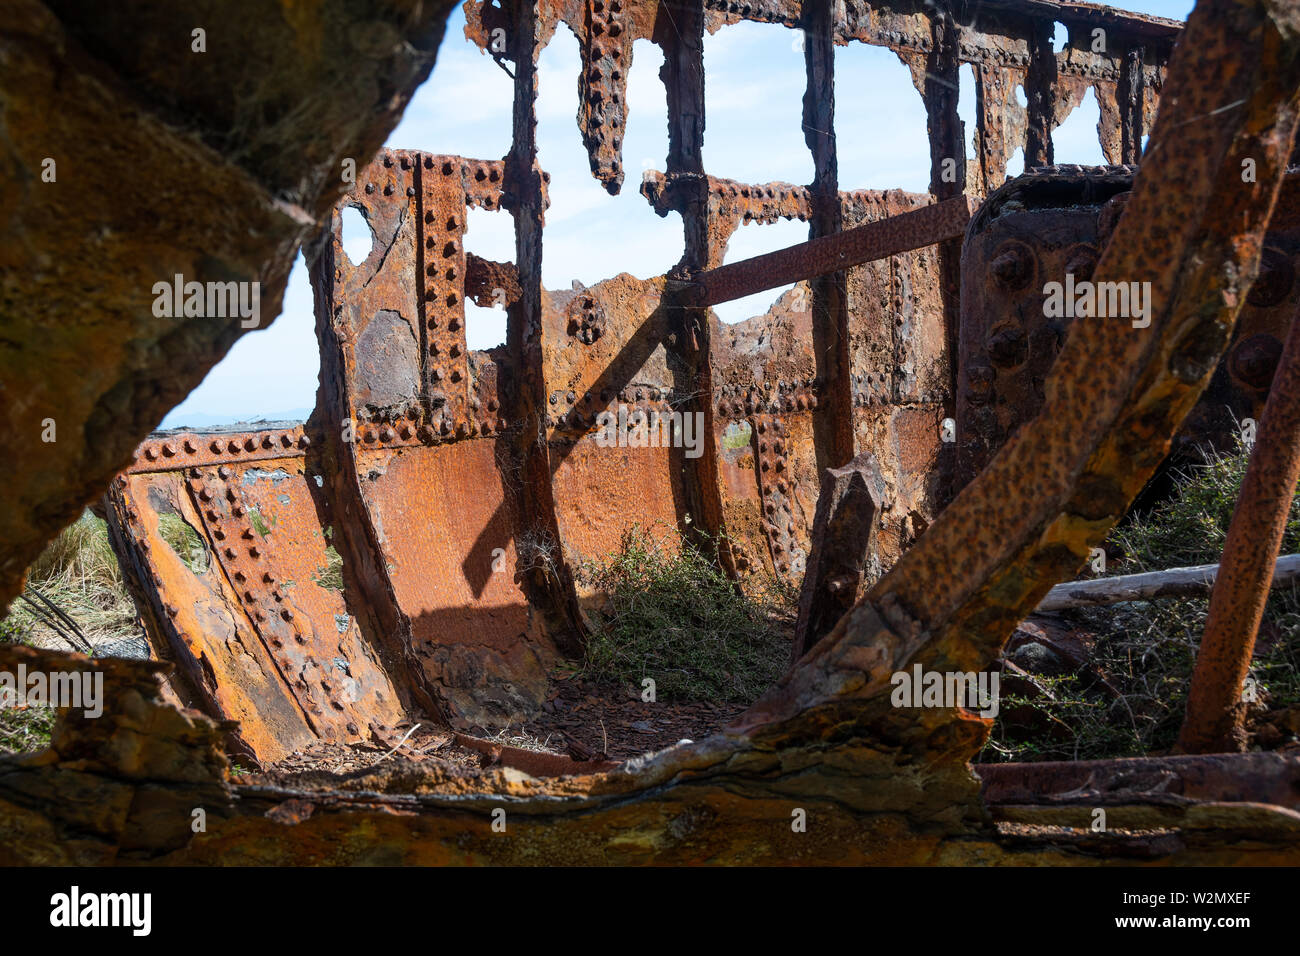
(826, 254)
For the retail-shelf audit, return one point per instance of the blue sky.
(754, 89)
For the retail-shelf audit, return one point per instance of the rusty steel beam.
(825, 740)
(164, 451)
(827, 254)
(1268, 778)
(841, 564)
(1215, 709)
(1059, 484)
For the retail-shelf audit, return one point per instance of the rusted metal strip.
(833, 429)
(164, 451)
(827, 254)
(1214, 705)
(1223, 778)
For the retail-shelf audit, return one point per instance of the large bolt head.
(1012, 266)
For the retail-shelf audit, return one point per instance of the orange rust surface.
(468, 487)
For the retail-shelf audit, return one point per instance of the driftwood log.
(1196, 581)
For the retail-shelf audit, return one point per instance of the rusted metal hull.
(406, 417)
(464, 491)
(1056, 221)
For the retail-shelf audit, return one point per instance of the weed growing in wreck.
(22, 729)
(181, 537)
(1146, 650)
(25, 729)
(671, 614)
(330, 574)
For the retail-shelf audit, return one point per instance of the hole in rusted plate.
(1016, 164)
(589, 234)
(490, 235)
(755, 239)
(1060, 36)
(358, 237)
(966, 108)
(179, 535)
(1075, 140)
(753, 69)
(874, 92)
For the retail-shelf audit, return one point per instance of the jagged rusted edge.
(1115, 397)
(823, 736)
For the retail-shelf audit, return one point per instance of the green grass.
(673, 616)
(78, 572)
(330, 574)
(184, 540)
(1147, 650)
(25, 729)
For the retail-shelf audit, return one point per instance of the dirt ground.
(582, 724)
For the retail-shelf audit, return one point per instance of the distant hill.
(202, 420)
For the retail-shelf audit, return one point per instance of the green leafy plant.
(671, 614)
(1146, 650)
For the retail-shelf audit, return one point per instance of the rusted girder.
(1059, 484)
(253, 189)
(1214, 705)
(881, 785)
(826, 254)
(844, 533)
